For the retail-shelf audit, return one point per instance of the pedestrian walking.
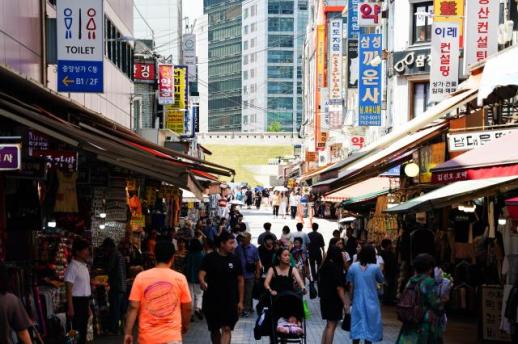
(366, 324)
(333, 298)
(251, 265)
(267, 232)
(192, 268)
(249, 198)
(390, 271)
(13, 316)
(294, 201)
(276, 203)
(301, 260)
(77, 282)
(179, 256)
(221, 278)
(283, 205)
(316, 250)
(282, 276)
(424, 325)
(258, 199)
(300, 234)
(266, 252)
(116, 270)
(161, 300)
(286, 237)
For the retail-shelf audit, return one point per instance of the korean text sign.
(144, 71)
(165, 84)
(445, 60)
(482, 17)
(335, 59)
(369, 13)
(10, 157)
(369, 84)
(80, 41)
(353, 30)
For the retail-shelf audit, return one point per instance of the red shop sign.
(144, 71)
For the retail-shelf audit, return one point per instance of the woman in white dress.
(284, 205)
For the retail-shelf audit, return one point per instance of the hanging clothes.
(66, 196)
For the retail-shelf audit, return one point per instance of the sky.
(192, 9)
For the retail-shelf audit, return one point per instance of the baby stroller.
(284, 305)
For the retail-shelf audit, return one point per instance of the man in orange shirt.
(160, 298)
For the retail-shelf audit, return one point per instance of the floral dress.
(429, 331)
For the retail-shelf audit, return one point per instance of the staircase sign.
(80, 45)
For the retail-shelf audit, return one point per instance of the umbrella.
(347, 219)
(237, 202)
(280, 188)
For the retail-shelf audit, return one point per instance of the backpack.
(409, 308)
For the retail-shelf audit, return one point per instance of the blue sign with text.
(80, 76)
(369, 81)
(353, 30)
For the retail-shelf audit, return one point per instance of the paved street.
(460, 331)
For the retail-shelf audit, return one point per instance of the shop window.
(422, 22)
(420, 100)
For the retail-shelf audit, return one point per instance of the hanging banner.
(369, 13)
(353, 30)
(80, 42)
(482, 17)
(181, 89)
(444, 74)
(451, 11)
(335, 59)
(165, 84)
(336, 118)
(458, 142)
(175, 114)
(144, 71)
(369, 113)
(352, 63)
(324, 108)
(174, 119)
(320, 83)
(189, 54)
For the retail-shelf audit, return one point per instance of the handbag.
(313, 293)
(346, 322)
(307, 311)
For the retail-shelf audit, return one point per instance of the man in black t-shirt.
(266, 252)
(316, 249)
(221, 278)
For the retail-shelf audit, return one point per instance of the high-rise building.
(273, 37)
(224, 82)
(161, 20)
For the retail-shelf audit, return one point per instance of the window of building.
(245, 45)
(245, 104)
(253, 27)
(252, 88)
(118, 51)
(252, 103)
(252, 73)
(252, 43)
(253, 10)
(280, 72)
(253, 118)
(420, 98)
(280, 56)
(280, 24)
(245, 59)
(245, 119)
(280, 87)
(277, 103)
(252, 57)
(280, 7)
(245, 14)
(246, 29)
(422, 28)
(245, 75)
(245, 89)
(280, 41)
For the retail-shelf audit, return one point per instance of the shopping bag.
(346, 323)
(307, 311)
(312, 290)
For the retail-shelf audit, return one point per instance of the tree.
(275, 127)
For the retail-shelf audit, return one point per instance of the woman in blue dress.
(366, 324)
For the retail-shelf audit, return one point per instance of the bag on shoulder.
(409, 308)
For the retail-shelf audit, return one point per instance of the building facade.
(273, 35)
(224, 81)
(161, 20)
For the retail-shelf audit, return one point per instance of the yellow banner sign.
(174, 119)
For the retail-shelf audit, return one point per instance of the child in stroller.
(290, 326)
(288, 322)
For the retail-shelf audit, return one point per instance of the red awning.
(496, 159)
(205, 175)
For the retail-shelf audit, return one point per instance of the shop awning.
(369, 186)
(111, 151)
(374, 164)
(188, 196)
(500, 77)
(456, 193)
(425, 120)
(495, 159)
(311, 174)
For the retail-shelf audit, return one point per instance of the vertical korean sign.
(369, 85)
(165, 84)
(444, 75)
(174, 114)
(335, 59)
(369, 13)
(482, 17)
(80, 40)
(320, 84)
(353, 30)
(450, 11)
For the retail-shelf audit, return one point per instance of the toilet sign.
(80, 45)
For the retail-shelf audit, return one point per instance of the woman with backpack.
(420, 308)
(364, 276)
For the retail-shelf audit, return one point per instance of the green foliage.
(275, 127)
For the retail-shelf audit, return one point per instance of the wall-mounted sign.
(144, 71)
(189, 55)
(10, 157)
(336, 118)
(482, 17)
(165, 84)
(353, 30)
(444, 75)
(175, 114)
(311, 156)
(369, 86)
(450, 11)
(37, 141)
(353, 64)
(412, 62)
(335, 59)
(429, 157)
(58, 159)
(80, 41)
(369, 13)
(174, 119)
(358, 142)
(467, 141)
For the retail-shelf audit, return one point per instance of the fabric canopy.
(457, 193)
(495, 159)
(374, 185)
(500, 77)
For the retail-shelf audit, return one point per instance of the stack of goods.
(381, 225)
